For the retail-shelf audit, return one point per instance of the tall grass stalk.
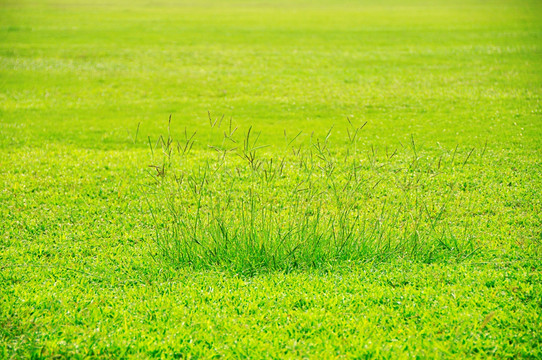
(247, 207)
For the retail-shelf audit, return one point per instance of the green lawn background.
(76, 79)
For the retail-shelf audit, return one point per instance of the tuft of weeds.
(247, 207)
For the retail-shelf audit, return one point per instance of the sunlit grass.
(417, 236)
(244, 207)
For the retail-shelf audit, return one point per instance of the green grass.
(248, 207)
(86, 270)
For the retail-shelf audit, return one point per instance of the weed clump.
(247, 207)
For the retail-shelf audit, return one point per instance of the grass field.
(417, 236)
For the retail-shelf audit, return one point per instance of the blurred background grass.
(87, 73)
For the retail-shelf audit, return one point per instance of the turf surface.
(77, 274)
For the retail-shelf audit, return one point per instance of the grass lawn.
(95, 260)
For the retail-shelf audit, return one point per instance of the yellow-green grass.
(84, 85)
